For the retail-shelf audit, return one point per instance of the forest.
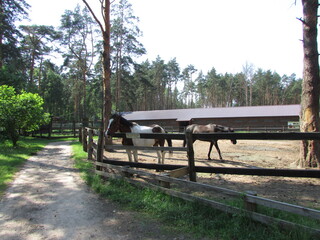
(64, 66)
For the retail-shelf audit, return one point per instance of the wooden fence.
(109, 168)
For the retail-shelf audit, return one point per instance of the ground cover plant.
(193, 218)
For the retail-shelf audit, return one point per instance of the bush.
(20, 112)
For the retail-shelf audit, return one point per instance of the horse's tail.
(184, 143)
(189, 128)
(170, 145)
(169, 141)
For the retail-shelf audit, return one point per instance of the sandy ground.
(252, 154)
(48, 200)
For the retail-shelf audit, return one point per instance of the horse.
(118, 123)
(209, 128)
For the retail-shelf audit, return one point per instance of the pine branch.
(94, 16)
(303, 21)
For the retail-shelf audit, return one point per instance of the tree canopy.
(73, 88)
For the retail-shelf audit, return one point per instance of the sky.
(209, 33)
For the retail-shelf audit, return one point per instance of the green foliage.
(74, 89)
(20, 112)
(36, 43)
(11, 12)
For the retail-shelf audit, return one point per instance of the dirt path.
(48, 200)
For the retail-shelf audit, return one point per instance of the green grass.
(13, 157)
(179, 215)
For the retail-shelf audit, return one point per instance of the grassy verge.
(193, 218)
(12, 158)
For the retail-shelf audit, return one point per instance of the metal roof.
(230, 112)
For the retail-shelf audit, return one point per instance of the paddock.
(250, 154)
(254, 167)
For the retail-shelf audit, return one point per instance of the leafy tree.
(78, 30)
(125, 45)
(248, 70)
(144, 87)
(241, 90)
(291, 89)
(36, 43)
(267, 88)
(201, 90)
(95, 92)
(20, 112)
(173, 74)
(189, 87)
(10, 12)
(213, 87)
(11, 65)
(159, 81)
(53, 90)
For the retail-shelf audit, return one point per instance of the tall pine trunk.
(105, 30)
(309, 116)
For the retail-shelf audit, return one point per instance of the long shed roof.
(230, 112)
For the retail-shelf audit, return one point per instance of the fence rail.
(95, 151)
(227, 135)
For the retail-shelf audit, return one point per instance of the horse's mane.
(224, 128)
(122, 119)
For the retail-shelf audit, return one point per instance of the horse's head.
(234, 141)
(114, 124)
(118, 123)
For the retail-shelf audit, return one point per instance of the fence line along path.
(122, 169)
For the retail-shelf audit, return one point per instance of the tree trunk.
(105, 30)
(32, 68)
(106, 66)
(309, 116)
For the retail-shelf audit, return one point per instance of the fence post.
(192, 172)
(90, 142)
(164, 183)
(84, 139)
(74, 128)
(50, 127)
(80, 134)
(248, 205)
(100, 149)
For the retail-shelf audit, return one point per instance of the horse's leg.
(218, 149)
(210, 148)
(135, 155)
(129, 155)
(159, 157)
(162, 155)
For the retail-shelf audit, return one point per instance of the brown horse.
(210, 128)
(119, 123)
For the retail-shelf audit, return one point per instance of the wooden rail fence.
(166, 179)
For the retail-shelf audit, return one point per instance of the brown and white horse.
(210, 128)
(119, 123)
